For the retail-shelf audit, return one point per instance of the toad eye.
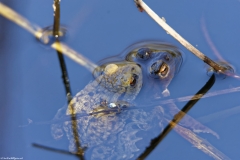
(163, 69)
(167, 57)
(159, 69)
(143, 53)
(133, 80)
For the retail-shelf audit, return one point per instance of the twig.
(53, 149)
(75, 56)
(19, 20)
(37, 32)
(142, 6)
(176, 119)
(56, 29)
(200, 143)
(198, 96)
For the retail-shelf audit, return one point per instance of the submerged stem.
(56, 27)
(36, 31)
(176, 119)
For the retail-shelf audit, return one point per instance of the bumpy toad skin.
(114, 136)
(109, 136)
(159, 65)
(108, 87)
(160, 62)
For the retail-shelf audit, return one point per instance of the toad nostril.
(167, 58)
(143, 53)
(155, 67)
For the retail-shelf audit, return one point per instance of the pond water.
(31, 86)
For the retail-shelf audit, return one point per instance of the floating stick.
(37, 32)
(144, 7)
(197, 96)
(56, 34)
(176, 119)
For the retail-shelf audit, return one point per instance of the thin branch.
(176, 119)
(56, 24)
(37, 32)
(75, 56)
(56, 30)
(19, 20)
(53, 149)
(198, 96)
(142, 6)
(59, 47)
(200, 143)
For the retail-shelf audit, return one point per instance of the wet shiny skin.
(115, 135)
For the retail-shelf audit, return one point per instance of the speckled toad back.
(113, 82)
(106, 129)
(109, 135)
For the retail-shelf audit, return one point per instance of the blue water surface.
(31, 86)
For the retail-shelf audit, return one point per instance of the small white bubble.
(112, 105)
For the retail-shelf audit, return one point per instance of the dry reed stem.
(144, 7)
(37, 32)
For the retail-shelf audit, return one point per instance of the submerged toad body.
(108, 134)
(109, 126)
(115, 81)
